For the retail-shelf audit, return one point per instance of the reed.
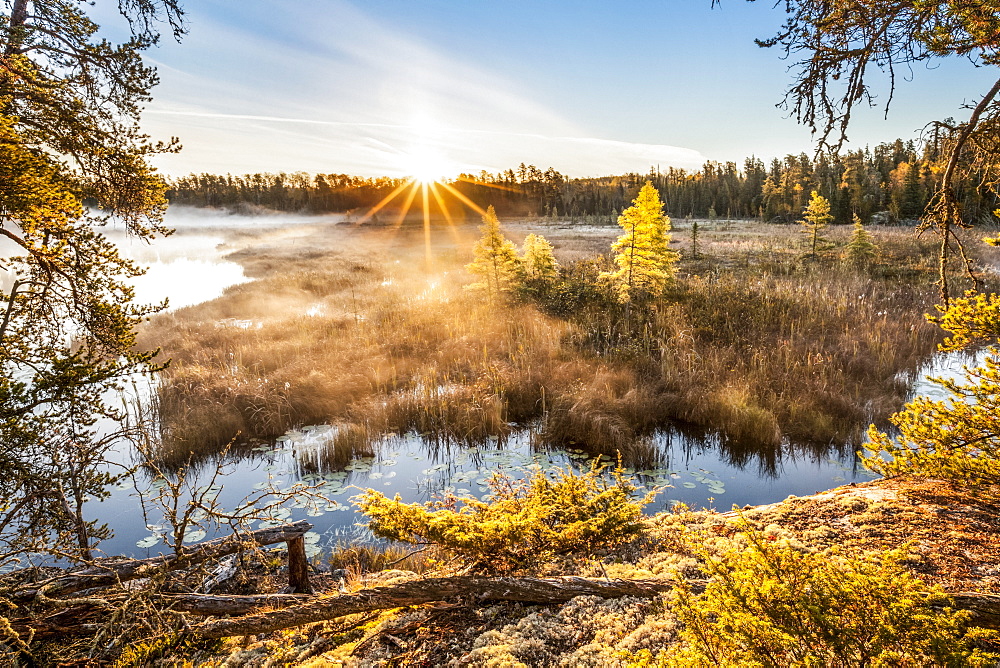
(749, 342)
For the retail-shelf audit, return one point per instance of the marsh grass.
(357, 559)
(754, 344)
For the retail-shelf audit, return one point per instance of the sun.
(426, 166)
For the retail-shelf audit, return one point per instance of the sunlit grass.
(759, 349)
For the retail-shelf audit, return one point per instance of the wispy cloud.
(337, 91)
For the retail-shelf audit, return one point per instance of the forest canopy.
(891, 182)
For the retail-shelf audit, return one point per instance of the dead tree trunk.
(298, 567)
(530, 590)
(985, 608)
(112, 572)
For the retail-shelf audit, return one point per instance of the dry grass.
(750, 342)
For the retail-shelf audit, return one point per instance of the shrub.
(524, 522)
(772, 604)
(957, 439)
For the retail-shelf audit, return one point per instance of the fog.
(189, 266)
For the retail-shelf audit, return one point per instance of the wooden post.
(298, 566)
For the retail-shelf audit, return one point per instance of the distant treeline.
(891, 182)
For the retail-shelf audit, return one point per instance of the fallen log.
(985, 608)
(299, 610)
(528, 590)
(112, 572)
(215, 605)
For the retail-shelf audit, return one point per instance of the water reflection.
(686, 465)
(697, 471)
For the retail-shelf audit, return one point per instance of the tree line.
(891, 183)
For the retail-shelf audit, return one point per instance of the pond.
(698, 469)
(693, 470)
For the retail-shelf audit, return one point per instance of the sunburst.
(427, 172)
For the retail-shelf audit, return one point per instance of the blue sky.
(396, 86)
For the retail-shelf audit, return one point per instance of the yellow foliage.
(523, 524)
(772, 604)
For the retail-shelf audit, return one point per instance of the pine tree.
(911, 205)
(957, 438)
(645, 261)
(495, 260)
(69, 132)
(539, 262)
(861, 251)
(815, 218)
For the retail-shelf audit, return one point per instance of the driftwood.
(528, 590)
(110, 573)
(298, 610)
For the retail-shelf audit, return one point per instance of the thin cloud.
(339, 91)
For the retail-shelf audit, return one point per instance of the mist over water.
(191, 266)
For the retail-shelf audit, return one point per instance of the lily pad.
(148, 541)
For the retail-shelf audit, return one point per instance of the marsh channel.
(691, 466)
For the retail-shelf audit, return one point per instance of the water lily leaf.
(690, 485)
(193, 535)
(148, 541)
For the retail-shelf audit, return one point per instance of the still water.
(697, 469)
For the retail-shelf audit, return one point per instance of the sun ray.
(406, 205)
(385, 200)
(490, 185)
(465, 200)
(427, 224)
(447, 214)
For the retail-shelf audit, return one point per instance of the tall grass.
(761, 349)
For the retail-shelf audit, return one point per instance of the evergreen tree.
(539, 262)
(645, 261)
(911, 201)
(815, 218)
(861, 251)
(69, 108)
(496, 260)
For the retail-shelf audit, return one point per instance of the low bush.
(770, 603)
(523, 523)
